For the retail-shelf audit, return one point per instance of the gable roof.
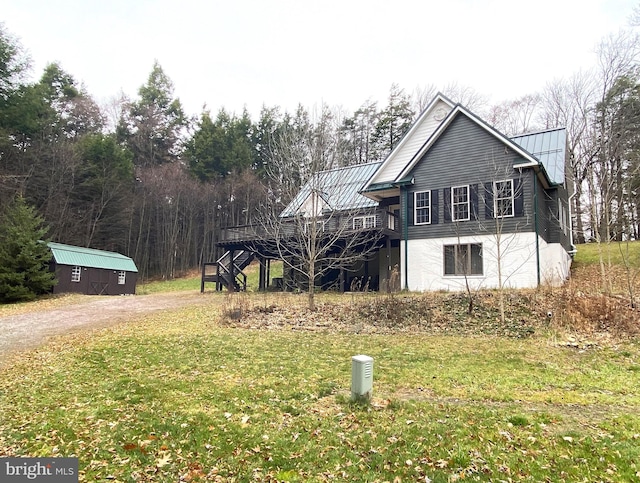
(420, 130)
(460, 110)
(544, 150)
(89, 257)
(339, 189)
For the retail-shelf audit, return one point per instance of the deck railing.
(345, 223)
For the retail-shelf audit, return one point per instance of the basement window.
(122, 277)
(465, 259)
(75, 274)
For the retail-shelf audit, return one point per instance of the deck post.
(388, 275)
(268, 260)
(232, 271)
(262, 275)
(204, 267)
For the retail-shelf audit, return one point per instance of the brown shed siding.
(94, 281)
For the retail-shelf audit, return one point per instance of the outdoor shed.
(92, 272)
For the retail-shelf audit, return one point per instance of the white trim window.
(364, 222)
(562, 217)
(422, 207)
(122, 277)
(319, 224)
(75, 273)
(503, 198)
(465, 259)
(460, 203)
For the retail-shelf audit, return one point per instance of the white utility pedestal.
(361, 378)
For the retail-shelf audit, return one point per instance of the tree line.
(141, 177)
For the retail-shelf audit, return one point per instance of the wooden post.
(388, 264)
(232, 270)
(262, 275)
(268, 271)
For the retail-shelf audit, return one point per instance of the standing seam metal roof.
(339, 188)
(89, 257)
(549, 148)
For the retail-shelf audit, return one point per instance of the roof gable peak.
(458, 109)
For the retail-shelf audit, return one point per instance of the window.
(319, 224)
(122, 277)
(503, 198)
(75, 274)
(364, 222)
(422, 207)
(460, 203)
(463, 259)
(562, 217)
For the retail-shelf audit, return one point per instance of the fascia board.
(415, 126)
(458, 109)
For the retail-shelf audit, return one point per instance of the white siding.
(555, 264)
(518, 262)
(411, 143)
(308, 206)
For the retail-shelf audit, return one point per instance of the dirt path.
(29, 330)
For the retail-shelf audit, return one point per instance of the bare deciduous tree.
(327, 226)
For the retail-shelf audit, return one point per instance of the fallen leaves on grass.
(433, 313)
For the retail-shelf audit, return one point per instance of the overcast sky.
(241, 53)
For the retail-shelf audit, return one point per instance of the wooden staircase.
(228, 271)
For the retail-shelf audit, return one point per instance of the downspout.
(535, 222)
(574, 249)
(405, 235)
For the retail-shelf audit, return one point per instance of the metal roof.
(549, 148)
(88, 257)
(339, 188)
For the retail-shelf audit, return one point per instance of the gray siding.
(467, 154)
(549, 226)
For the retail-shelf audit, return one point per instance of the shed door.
(99, 283)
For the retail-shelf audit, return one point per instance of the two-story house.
(458, 204)
(477, 207)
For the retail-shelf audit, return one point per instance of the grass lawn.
(177, 396)
(192, 281)
(615, 252)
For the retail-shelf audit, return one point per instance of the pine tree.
(24, 254)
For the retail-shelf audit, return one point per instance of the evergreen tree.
(24, 254)
(152, 127)
(220, 148)
(393, 122)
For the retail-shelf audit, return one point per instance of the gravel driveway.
(26, 331)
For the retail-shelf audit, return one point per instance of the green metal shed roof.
(88, 257)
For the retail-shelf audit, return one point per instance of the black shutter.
(434, 207)
(474, 201)
(518, 197)
(488, 200)
(410, 203)
(447, 204)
